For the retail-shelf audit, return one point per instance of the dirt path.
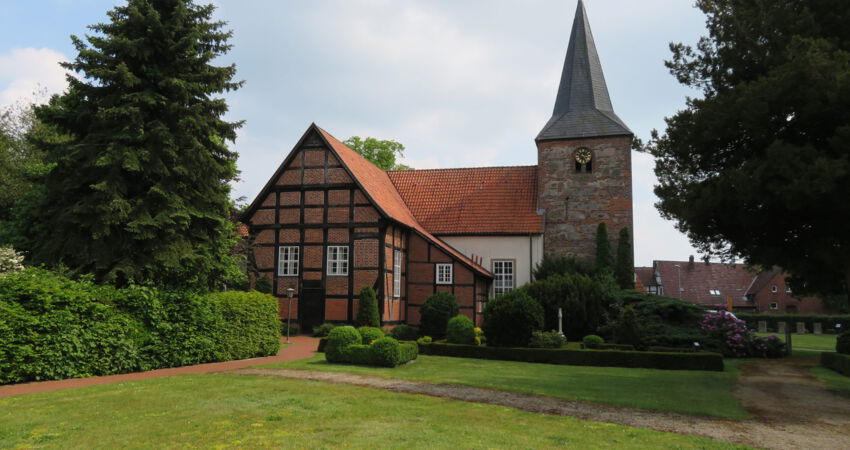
(301, 347)
(791, 408)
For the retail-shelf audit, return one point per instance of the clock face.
(583, 156)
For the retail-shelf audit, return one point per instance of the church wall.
(525, 251)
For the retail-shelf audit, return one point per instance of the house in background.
(711, 284)
(329, 222)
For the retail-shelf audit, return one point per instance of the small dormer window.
(584, 160)
(774, 289)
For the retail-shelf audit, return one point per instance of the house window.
(787, 289)
(714, 292)
(338, 260)
(773, 305)
(503, 271)
(774, 289)
(397, 273)
(444, 274)
(287, 261)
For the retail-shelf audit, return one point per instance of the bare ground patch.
(790, 407)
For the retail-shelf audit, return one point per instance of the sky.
(460, 83)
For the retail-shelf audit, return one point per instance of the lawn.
(835, 382)
(688, 392)
(809, 341)
(231, 411)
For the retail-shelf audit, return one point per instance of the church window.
(503, 272)
(444, 274)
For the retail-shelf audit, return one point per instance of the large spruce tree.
(759, 166)
(139, 190)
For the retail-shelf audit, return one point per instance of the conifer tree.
(604, 258)
(139, 190)
(367, 308)
(624, 271)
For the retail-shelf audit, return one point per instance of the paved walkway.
(301, 347)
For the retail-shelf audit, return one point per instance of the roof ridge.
(461, 168)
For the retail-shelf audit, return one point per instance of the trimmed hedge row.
(610, 358)
(52, 327)
(836, 361)
(827, 321)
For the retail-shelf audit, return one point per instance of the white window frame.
(714, 292)
(774, 289)
(337, 260)
(773, 305)
(397, 256)
(287, 260)
(499, 276)
(446, 275)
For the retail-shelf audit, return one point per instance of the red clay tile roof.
(645, 276)
(699, 278)
(479, 200)
(381, 190)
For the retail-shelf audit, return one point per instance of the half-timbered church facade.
(329, 222)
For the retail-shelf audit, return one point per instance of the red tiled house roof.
(377, 186)
(699, 279)
(645, 276)
(472, 201)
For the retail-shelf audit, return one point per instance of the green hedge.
(610, 358)
(836, 361)
(827, 321)
(52, 327)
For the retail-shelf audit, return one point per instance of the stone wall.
(576, 202)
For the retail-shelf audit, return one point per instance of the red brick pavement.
(301, 347)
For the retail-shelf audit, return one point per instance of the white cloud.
(30, 74)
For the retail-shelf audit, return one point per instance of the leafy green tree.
(139, 190)
(624, 270)
(382, 153)
(604, 258)
(758, 167)
(367, 308)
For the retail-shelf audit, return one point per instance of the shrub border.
(836, 361)
(605, 358)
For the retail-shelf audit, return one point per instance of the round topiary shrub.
(370, 334)
(339, 339)
(842, 343)
(509, 319)
(592, 341)
(405, 332)
(460, 330)
(436, 312)
(385, 352)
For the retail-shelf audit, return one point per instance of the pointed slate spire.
(583, 108)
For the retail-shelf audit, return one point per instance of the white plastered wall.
(526, 251)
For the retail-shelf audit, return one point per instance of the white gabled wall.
(525, 250)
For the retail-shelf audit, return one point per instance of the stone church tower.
(583, 155)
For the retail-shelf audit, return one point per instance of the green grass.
(835, 382)
(231, 411)
(809, 341)
(688, 392)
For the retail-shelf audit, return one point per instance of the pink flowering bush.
(738, 341)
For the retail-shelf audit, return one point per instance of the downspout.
(530, 257)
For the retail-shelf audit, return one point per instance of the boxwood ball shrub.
(842, 343)
(509, 319)
(460, 330)
(592, 341)
(405, 332)
(370, 334)
(386, 352)
(436, 312)
(323, 329)
(547, 339)
(339, 340)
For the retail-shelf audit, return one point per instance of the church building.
(329, 222)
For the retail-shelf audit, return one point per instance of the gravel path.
(790, 407)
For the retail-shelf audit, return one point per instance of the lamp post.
(560, 321)
(679, 269)
(289, 293)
